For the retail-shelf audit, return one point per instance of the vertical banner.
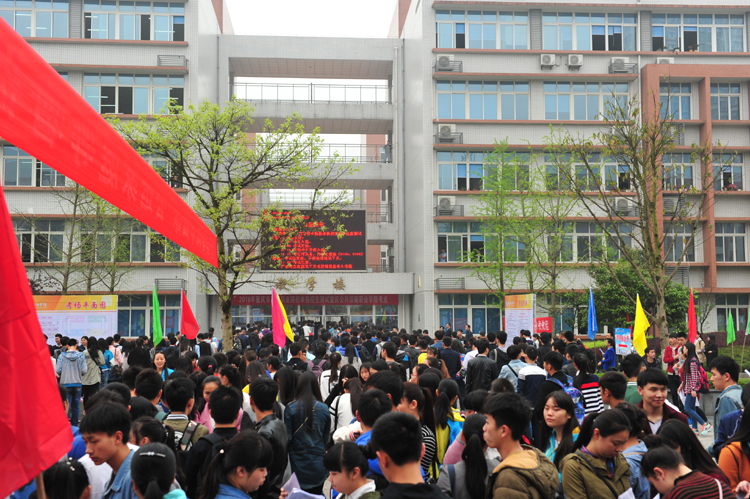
(519, 314)
(542, 325)
(623, 341)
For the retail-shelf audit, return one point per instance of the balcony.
(381, 269)
(374, 213)
(312, 93)
(453, 210)
(357, 153)
(450, 283)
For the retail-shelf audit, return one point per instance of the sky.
(334, 18)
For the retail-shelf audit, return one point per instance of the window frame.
(724, 232)
(117, 11)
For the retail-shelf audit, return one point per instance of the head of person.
(148, 384)
(681, 338)
(147, 430)
(160, 361)
(483, 346)
(230, 376)
(560, 418)
(672, 340)
(372, 405)
(502, 337)
(388, 382)
(612, 386)
(308, 393)
(180, 395)
(263, 394)
(679, 436)
(725, 371)
(553, 362)
(287, 381)
(417, 401)
(650, 353)
(67, 480)
(531, 355)
(508, 415)
(514, 352)
(446, 394)
(632, 365)
(397, 442)
(152, 470)
(571, 351)
(502, 385)
(652, 386)
(241, 463)
(224, 404)
(610, 343)
(568, 336)
(140, 407)
(474, 401)
(604, 434)
(473, 455)
(662, 466)
(208, 365)
(105, 430)
(637, 417)
(347, 466)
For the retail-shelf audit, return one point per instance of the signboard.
(318, 247)
(75, 316)
(543, 325)
(519, 314)
(623, 341)
(317, 299)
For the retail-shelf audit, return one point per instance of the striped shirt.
(430, 448)
(696, 485)
(592, 398)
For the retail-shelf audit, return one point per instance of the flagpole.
(41, 493)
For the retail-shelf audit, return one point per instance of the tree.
(703, 308)
(637, 204)
(225, 172)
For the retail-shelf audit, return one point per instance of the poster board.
(623, 341)
(542, 325)
(75, 316)
(519, 314)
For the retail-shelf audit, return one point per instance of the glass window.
(730, 242)
(40, 241)
(583, 31)
(21, 170)
(725, 101)
(675, 100)
(678, 239)
(702, 33)
(131, 94)
(678, 171)
(737, 306)
(728, 172)
(126, 20)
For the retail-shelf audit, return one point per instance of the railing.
(456, 210)
(450, 66)
(358, 153)
(374, 213)
(450, 283)
(381, 269)
(171, 60)
(623, 68)
(281, 92)
(449, 138)
(379, 213)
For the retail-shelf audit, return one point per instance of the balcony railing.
(374, 213)
(358, 153)
(450, 283)
(318, 93)
(381, 269)
(379, 213)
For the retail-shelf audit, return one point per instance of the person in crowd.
(330, 377)
(364, 372)
(631, 366)
(106, 368)
(678, 436)
(511, 370)
(672, 360)
(613, 387)
(691, 382)
(725, 372)
(71, 367)
(531, 377)
(559, 428)
(67, 480)
(729, 425)
(734, 458)
(153, 469)
(208, 365)
(179, 395)
(448, 419)
(254, 370)
(239, 468)
(417, 401)
(700, 349)
(609, 360)
(308, 424)
(467, 479)
(263, 393)
(160, 365)
(481, 370)
(652, 386)
(668, 474)
(230, 376)
(287, 381)
(524, 472)
(373, 404)
(139, 356)
(474, 405)
(634, 449)
(569, 368)
(712, 349)
(588, 384)
(141, 407)
(650, 359)
(597, 467)
(149, 385)
(556, 380)
(348, 469)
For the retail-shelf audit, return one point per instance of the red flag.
(44, 116)
(34, 429)
(188, 325)
(692, 321)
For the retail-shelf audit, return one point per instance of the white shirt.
(468, 357)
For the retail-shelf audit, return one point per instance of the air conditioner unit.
(622, 207)
(547, 60)
(575, 60)
(665, 60)
(618, 64)
(445, 131)
(679, 134)
(669, 206)
(445, 205)
(444, 62)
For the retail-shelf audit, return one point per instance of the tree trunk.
(225, 303)
(661, 320)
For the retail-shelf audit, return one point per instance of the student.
(613, 387)
(524, 472)
(330, 377)
(609, 360)
(348, 472)
(160, 365)
(467, 479)
(373, 405)
(94, 362)
(652, 386)
(152, 470)
(729, 425)
(734, 458)
(263, 393)
(712, 349)
(650, 359)
(396, 443)
(106, 430)
(677, 435)
(597, 468)
(556, 380)
(634, 449)
(448, 420)
(510, 371)
(668, 474)
(71, 366)
(631, 366)
(559, 427)
(725, 372)
(672, 360)
(417, 401)
(531, 377)
(481, 371)
(239, 468)
(66, 480)
(588, 384)
(691, 382)
(148, 384)
(180, 396)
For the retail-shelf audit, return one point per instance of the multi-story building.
(451, 79)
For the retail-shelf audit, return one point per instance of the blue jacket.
(638, 482)
(307, 448)
(609, 359)
(511, 371)
(121, 487)
(729, 400)
(229, 492)
(727, 428)
(79, 446)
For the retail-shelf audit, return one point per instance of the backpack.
(216, 441)
(237, 344)
(184, 445)
(318, 368)
(501, 358)
(364, 355)
(172, 354)
(703, 387)
(577, 397)
(205, 349)
(403, 359)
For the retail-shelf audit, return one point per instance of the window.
(40, 241)
(130, 242)
(514, 100)
(590, 100)
(584, 31)
(451, 99)
(132, 94)
(515, 172)
(479, 30)
(482, 100)
(675, 100)
(730, 242)
(588, 241)
(557, 101)
(457, 239)
(678, 171)
(167, 171)
(514, 249)
(556, 178)
(698, 32)
(620, 235)
(735, 305)
(480, 311)
(560, 243)
(460, 171)
(676, 240)
(130, 20)
(588, 178)
(21, 170)
(617, 177)
(131, 315)
(37, 18)
(728, 172)
(725, 101)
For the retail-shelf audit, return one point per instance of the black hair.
(430, 381)
(655, 376)
(287, 381)
(140, 407)
(178, 394)
(129, 376)
(447, 392)
(372, 405)
(725, 364)
(636, 416)
(572, 350)
(581, 362)
(660, 457)
(565, 447)
(474, 401)
(185, 365)
(647, 350)
(511, 410)
(502, 385)
(225, 403)
(482, 345)
(473, 455)
(65, 480)
(344, 457)
(615, 382)
(247, 449)
(675, 433)
(152, 469)
(611, 342)
(398, 435)
(274, 362)
(423, 397)
(607, 422)
(148, 384)
(105, 396)
(555, 360)
(514, 351)
(107, 418)
(545, 338)
(502, 337)
(631, 365)
(263, 393)
(72, 342)
(690, 349)
(390, 383)
(531, 353)
(208, 365)
(119, 388)
(308, 392)
(232, 374)
(569, 336)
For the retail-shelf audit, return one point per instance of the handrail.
(375, 213)
(318, 93)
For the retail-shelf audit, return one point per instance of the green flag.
(156, 324)
(730, 328)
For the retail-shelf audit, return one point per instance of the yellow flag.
(639, 328)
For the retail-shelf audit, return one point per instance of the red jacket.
(670, 358)
(668, 414)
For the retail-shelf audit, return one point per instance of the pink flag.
(692, 322)
(282, 330)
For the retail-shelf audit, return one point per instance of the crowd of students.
(362, 413)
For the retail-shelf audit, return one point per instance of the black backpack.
(184, 445)
(500, 357)
(364, 354)
(217, 443)
(205, 349)
(172, 354)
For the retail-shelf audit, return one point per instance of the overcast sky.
(347, 18)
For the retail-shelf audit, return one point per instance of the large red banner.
(317, 299)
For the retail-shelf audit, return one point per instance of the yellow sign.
(519, 301)
(75, 303)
